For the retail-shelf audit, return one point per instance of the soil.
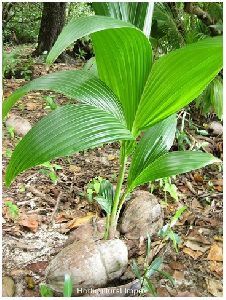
(49, 213)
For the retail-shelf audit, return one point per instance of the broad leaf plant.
(124, 93)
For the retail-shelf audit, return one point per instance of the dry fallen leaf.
(111, 157)
(8, 286)
(178, 275)
(197, 236)
(76, 222)
(219, 188)
(29, 221)
(187, 294)
(192, 253)
(190, 186)
(216, 267)
(196, 246)
(32, 106)
(187, 217)
(216, 253)
(162, 292)
(38, 267)
(196, 204)
(214, 287)
(176, 265)
(198, 177)
(62, 218)
(30, 282)
(74, 169)
(218, 238)
(18, 272)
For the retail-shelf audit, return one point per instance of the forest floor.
(42, 228)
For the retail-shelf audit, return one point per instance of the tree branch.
(201, 15)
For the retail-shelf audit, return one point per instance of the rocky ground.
(52, 215)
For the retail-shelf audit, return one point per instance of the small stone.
(8, 286)
(21, 126)
(90, 264)
(143, 215)
(216, 128)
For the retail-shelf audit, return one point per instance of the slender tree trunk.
(6, 16)
(52, 22)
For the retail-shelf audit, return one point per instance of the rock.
(90, 264)
(8, 286)
(142, 215)
(20, 125)
(215, 128)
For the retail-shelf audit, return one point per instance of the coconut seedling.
(124, 94)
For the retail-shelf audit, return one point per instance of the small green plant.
(26, 74)
(21, 106)
(13, 209)
(26, 68)
(102, 191)
(46, 291)
(183, 140)
(11, 131)
(50, 171)
(50, 103)
(93, 188)
(211, 100)
(16, 67)
(167, 232)
(22, 188)
(144, 277)
(83, 49)
(8, 153)
(132, 99)
(9, 62)
(68, 286)
(167, 186)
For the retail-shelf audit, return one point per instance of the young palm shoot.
(130, 94)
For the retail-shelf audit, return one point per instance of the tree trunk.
(52, 22)
(6, 16)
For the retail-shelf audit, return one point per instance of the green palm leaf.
(79, 85)
(156, 141)
(173, 163)
(217, 96)
(133, 12)
(176, 79)
(81, 27)
(68, 129)
(123, 56)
